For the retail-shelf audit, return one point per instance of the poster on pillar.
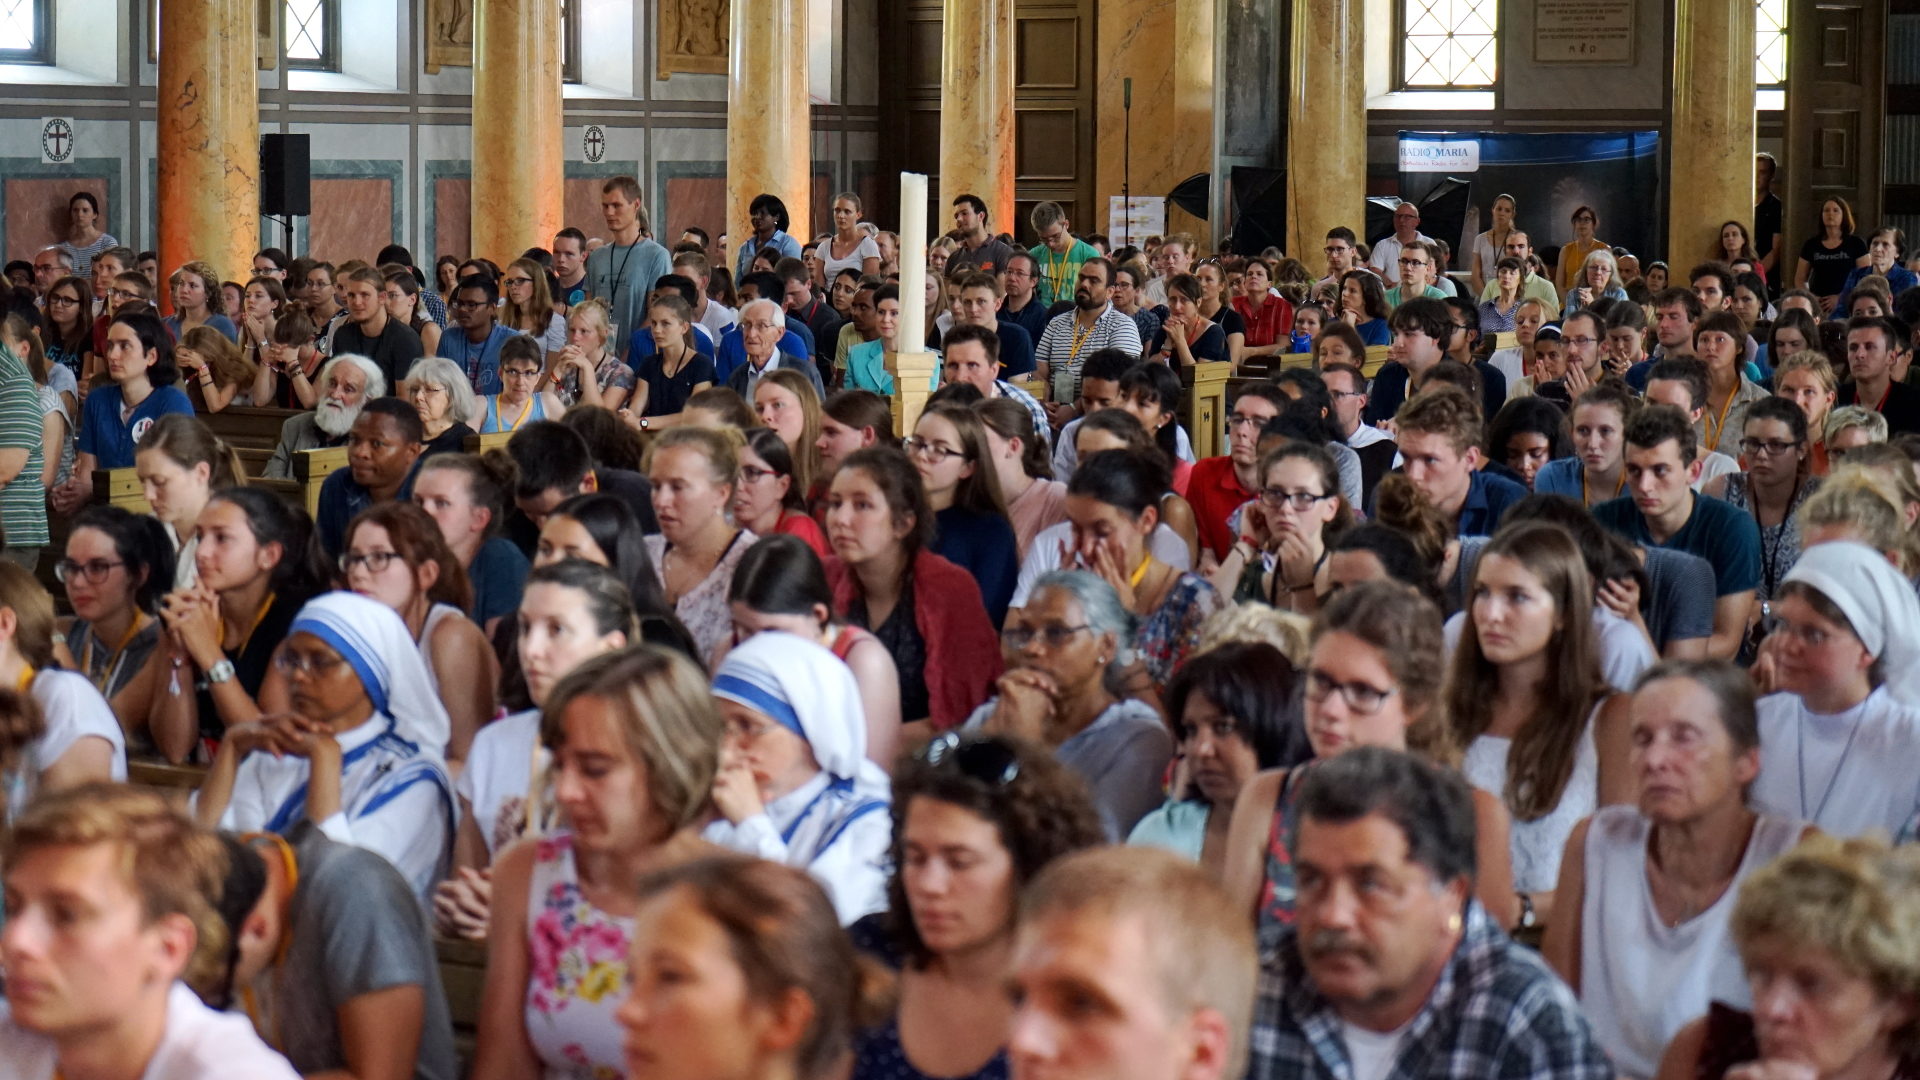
(1617, 173)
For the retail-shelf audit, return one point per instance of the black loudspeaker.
(1259, 209)
(286, 180)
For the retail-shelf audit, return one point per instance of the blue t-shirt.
(1016, 349)
(1716, 531)
(499, 575)
(481, 362)
(1488, 497)
(111, 440)
(218, 322)
(983, 545)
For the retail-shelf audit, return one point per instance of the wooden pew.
(311, 469)
(120, 487)
(492, 440)
(463, 977)
(247, 427)
(1206, 406)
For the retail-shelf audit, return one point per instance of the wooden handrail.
(311, 469)
(120, 487)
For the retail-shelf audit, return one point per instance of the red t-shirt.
(1215, 493)
(807, 529)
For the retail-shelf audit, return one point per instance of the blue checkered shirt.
(1497, 1013)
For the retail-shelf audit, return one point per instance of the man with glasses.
(1343, 254)
(474, 339)
(1022, 305)
(1377, 451)
(1220, 485)
(385, 443)
(347, 382)
(1386, 252)
(50, 265)
(1417, 267)
(368, 331)
(762, 326)
(1532, 285)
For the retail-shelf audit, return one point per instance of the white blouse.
(1848, 772)
(1537, 845)
(837, 833)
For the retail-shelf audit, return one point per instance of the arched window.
(313, 34)
(26, 32)
(1448, 45)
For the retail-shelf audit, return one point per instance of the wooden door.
(1836, 91)
(1053, 107)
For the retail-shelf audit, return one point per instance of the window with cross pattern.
(26, 31)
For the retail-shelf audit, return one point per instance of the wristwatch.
(1528, 920)
(646, 423)
(220, 672)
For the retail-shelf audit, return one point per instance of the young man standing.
(570, 266)
(1767, 212)
(622, 270)
(1423, 330)
(1129, 964)
(1662, 509)
(1440, 437)
(1058, 253)
(368, 332)
(108, 893)
(768, 216)
(979, 248)
(1871, 347)
(1532, 285)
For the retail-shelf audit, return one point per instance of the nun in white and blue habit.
(395, 795)
(835, 824)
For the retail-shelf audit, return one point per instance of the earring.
(1453, 923)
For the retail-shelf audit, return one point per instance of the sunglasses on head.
(988, 760)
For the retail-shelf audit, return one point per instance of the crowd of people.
(1531, 689)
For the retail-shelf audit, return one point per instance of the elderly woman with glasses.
(1064, 651)
(1570, 272)
(439, 391)
(358, 757)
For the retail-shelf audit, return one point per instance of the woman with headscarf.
(1838, 742)
(360, 755)
(795, 785)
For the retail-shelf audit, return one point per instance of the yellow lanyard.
(1617, 488)
(113, 662)
(1720, 426)
(291, 866)
(257, 620)
(1056, 272)
(1140, 572)
(26, 678)
(525, 411)
(1079, 339)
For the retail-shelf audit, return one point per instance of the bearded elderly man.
(347, 382)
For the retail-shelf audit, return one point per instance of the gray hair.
(60, 253)
(779, 315)
(1606, 257)
(1432, 806)
(1101, 606)
(442, 372)
(1853, 416)
(376, 379)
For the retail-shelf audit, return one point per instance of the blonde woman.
(197, 300)
(587, 372)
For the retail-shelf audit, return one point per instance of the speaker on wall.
(286, 175)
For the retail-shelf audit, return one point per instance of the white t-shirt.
(1043, 557)
(1508, 362)
(74, 710)
(197, 1044)
(716, 320)
(556, 336)
(1714, 463)
(864, 250)
(1624, 652)
(501, 765)
(1371, 1053)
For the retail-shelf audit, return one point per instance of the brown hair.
(173, 866)
(1010, 420)
(666, 716)
(1444, 410)
(1405, 627)
(187, 442)
(726, 403)
(229, 366)
(980, 491)
(783, 934)
(490, 478)
(806, 454)
(860, 409)
(1329, 470)
(1404, 508)
(418, 541)
(1541, 760)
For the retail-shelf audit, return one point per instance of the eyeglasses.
(93, 571)
(1336, 249)
(1237, 420)
(516, 281)
(467, 304)
(425, 389)
(1056, 637)
(124, 294)
(1769, 447)
(989, 761)
(753, 474)
(315, 665)
(519, 373)
(1361, 697)
(1413, 262)
(1299, 500)
(57, 300)
(921, 448)
(375, 561)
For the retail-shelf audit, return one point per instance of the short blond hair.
(1868, 503)
(1203, 945)
(1253, 623)
(172, 865)
(1856, 899)
(1809, 361)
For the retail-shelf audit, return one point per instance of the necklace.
(113, 662)
(1800, 753)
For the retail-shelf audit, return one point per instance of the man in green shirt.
(1058, 254)
(1417, 269)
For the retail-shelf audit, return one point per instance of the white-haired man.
(347, 383)
(762, 324)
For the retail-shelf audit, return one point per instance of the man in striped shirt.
(1072, 336)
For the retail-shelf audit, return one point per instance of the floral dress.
(577, 971)
(610, 373)
(1171, 632)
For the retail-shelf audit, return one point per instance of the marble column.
(1326, 127)
(1711, 140)
(1193, 128)
(769, 122)
(208, 137)
(518, 159)
(976, 109)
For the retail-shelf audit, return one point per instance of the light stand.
(1126, 161)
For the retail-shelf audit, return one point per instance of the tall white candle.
(911, 336)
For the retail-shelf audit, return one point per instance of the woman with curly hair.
(974, 820)
(198, 301)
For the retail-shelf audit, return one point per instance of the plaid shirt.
(1497, 1013)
